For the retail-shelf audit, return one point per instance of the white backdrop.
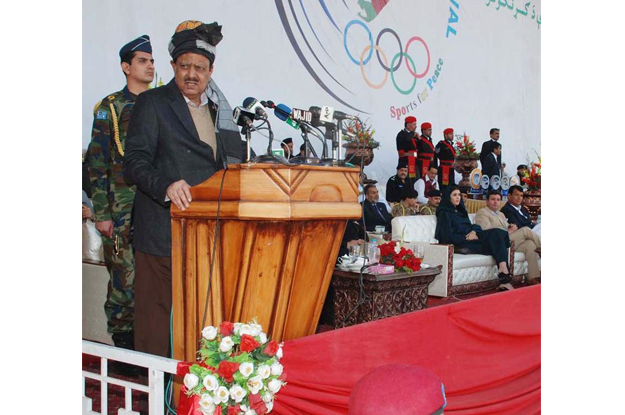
(295, 52)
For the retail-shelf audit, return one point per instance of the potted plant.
(359, 143)
(466, 160)
(531, 198)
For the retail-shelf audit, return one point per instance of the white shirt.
(420, 188)
(203, 100)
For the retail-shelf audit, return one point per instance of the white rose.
(269, 406)
(264, 371)
(222, 394)
(209, 332)
(274, 385)
(210, 383)
(276, 369)
(246, 369)
(267, 397)
(237, 327)
(245, 329)
(243, 408)
(226, 344)
(191, 381)
(279, 353)
(255, 384)
(206, 404)
(256, 329)
(263, 338)
(250, 412)
(237, 393)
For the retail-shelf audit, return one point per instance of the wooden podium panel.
(281, 229)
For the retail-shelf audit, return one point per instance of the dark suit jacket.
(163, 146)
(373, 218)
(487, 148)
(515, 217)
(490, 166)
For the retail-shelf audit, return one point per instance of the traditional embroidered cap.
(426, 125)
(420, 392)
(402, 163)
(410, 119)
(197, 37)
(448, 131)
(140, 44)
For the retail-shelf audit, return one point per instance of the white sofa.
(460, 273)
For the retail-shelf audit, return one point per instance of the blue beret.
(140, 44)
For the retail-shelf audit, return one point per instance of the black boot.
(124, 340)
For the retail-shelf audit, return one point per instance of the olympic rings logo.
(383, 60)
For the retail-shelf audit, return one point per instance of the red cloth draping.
(485, 350)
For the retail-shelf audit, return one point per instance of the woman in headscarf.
(454, 227)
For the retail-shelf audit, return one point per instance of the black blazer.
(490, 166)
(487, 148)
(515, 217)
(373, 218)
(163, 146)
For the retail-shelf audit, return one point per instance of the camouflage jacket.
(111, 195)
(427, 209)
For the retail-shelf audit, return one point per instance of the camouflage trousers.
(120, 300)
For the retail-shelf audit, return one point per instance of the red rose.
(257, 404)
(248, 343)
(226, 370)
(234, 410)
(399, 264)
(217, 410)
(226, 328)
(271, 349)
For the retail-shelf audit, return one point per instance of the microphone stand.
(269, 157)
(248, 139)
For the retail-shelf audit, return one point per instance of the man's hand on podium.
(179, 193)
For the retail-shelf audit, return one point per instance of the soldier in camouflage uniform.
(112, 197)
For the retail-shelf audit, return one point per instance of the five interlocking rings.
(382, 59)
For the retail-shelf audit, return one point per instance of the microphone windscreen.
(247, 102)
(282, 115)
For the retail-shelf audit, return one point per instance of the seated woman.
(454, 227)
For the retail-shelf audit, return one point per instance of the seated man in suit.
(408, 205)
(490, 165)
(375, 212)
(524, 239)
(517, 214)
(434, 200)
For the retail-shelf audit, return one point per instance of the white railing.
(156, 366)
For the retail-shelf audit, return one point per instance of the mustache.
(188, 79)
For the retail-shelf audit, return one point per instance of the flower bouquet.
(360, 134)
(465, 148)
(403, 259)
(532, 178)
(238, 372)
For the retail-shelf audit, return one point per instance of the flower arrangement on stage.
(532, 178)
(401, 258)
(465, 148)
(238, 372)
(361, 134)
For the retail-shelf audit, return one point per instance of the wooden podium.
(281, 229)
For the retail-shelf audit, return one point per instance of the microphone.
(243, 117)
(283, 113)
(327, 114)
(253, 105)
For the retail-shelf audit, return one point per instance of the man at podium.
(174, 142)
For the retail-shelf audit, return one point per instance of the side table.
(386, 295)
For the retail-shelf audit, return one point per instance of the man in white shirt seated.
(424, 185)
(524, 239)
(521, 171)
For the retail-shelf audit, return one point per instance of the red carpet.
(486, 350)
